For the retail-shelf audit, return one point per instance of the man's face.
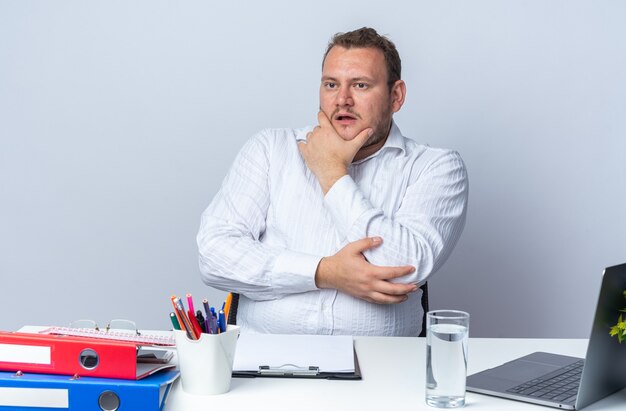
(354, 93)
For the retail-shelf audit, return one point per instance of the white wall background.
(118, 121)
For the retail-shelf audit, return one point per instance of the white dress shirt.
(270, 224)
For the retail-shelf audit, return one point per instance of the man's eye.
(330, 85)
(360, 85)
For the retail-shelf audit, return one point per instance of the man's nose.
(344, 98)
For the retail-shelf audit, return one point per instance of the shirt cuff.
(295, 272)
(346, 203)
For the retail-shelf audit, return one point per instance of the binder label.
(34, 397)
(31, 354)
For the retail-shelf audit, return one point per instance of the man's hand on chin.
(328, 155)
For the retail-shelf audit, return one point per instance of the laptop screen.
(605, 370)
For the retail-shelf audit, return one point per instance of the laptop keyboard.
(558, 385)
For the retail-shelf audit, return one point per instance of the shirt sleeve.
(232, 256)
(424, 229)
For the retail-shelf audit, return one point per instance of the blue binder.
(38, 392)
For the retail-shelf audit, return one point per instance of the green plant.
(619, 329)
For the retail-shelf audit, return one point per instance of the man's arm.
(350, 272)
(423, 230)
(328, 156)
(231, 257)
(421, 233)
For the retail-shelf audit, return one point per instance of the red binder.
(83, 356)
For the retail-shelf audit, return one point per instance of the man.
(330, 230)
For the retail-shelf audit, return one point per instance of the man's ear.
(398, 93)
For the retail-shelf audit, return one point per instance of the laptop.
(567, 382)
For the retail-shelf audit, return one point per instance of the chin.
(346, 133)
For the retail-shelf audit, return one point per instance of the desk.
(393, 371)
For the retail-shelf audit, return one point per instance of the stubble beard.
(381, 131)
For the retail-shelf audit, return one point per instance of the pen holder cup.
(206, 365)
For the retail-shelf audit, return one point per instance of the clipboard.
(296, 356)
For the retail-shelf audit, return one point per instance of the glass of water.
(446, 358)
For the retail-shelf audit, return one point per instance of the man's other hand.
(349, 272)
(328, 155)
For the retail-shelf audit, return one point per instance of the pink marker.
(190, 303)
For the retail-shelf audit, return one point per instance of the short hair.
(367, 37)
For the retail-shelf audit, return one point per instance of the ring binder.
(32, 391)
(289, 370)
(59, 354)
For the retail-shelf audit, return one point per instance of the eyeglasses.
(117, 325)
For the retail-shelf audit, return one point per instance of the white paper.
(330, 353)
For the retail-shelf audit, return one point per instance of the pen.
(194, 323)
(213, 321)
(191, 333)
(175, 322)
(181, 323)
(222, 321)
(201, 321)
(207, 310)
(227, 304)
(190, 303)
(207, 319)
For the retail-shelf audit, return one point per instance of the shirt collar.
(395, 140)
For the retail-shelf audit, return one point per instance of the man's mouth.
(345, 118)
